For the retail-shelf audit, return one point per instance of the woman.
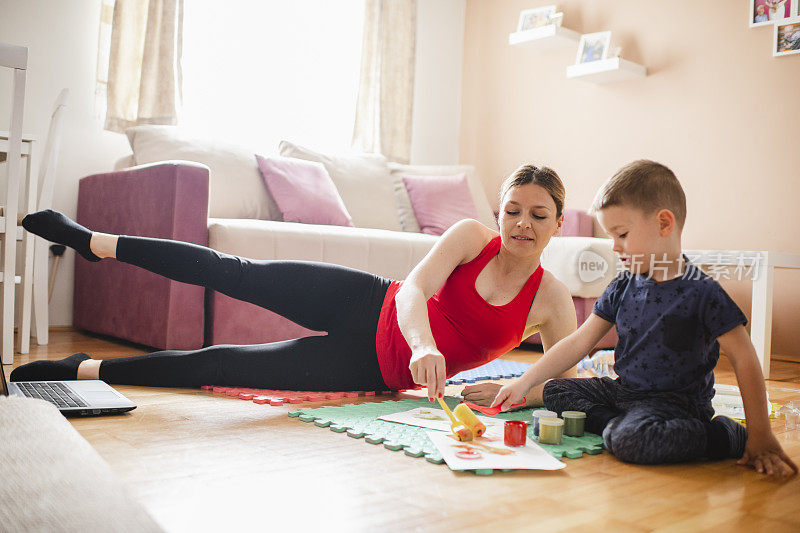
(473, 297)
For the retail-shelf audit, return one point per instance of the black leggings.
(342, 301)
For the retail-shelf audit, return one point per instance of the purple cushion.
(440, 201)
(303, 191)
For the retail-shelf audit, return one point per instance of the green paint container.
(574, 422)
(550, 430)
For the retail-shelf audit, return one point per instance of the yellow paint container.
(550, 430)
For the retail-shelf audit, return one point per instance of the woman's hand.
(764, 453)
(481, 394)
(511, 394)
(428, 369)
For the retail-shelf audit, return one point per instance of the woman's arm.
(459, 244)
(762, 450)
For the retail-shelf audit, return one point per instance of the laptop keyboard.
(56, 393)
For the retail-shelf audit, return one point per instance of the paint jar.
(550, 430)
(573, 423)
(539, 414)
(515, 432)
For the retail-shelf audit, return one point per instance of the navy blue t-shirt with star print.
(668, 330)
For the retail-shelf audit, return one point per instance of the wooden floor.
(201, 462)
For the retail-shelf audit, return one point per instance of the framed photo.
(766, 12)
(786, 37)
(593, 47)
(536, 18)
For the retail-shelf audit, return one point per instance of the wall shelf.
(606, 70)
(545, 37)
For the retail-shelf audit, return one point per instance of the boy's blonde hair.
(544, 177)
(644, 185)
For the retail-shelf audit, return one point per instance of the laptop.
(73, 398)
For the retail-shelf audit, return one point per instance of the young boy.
(671, 321)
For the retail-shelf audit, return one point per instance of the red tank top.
(468, 331)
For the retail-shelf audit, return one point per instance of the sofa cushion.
(236, 188)
(387, 253)
(303, 191)
(406, 212)
(363, 181)
(439, 201)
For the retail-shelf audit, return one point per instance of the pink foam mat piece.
(282, 397)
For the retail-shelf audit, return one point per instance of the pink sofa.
(170, 200)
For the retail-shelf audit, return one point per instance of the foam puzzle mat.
(497, 369)
(281, 397)
(360, 421)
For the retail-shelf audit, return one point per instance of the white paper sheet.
(433, 418)
(528, 457)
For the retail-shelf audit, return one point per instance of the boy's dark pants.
(651, 428)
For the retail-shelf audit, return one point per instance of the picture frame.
(537, 17)
(766, 12)
(593, 47)
(786, 37)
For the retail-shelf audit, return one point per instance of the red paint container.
(515, 432)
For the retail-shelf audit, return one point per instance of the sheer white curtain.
(138, 66)
(256, 72)
(386, 92)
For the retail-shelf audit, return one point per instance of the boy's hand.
(511, 394)
(764, 453)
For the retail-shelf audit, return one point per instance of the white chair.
(14, 58)
(34, 277)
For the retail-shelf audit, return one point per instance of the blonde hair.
(644, 185)
(544, 177)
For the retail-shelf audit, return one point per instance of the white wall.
(436, 119)
(61, 36)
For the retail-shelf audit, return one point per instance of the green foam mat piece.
(361, 421)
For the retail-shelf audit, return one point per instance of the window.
(256, 72)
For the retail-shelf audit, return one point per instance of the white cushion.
(406, 212)
(586, 265)
(392, 254)
(363, 182)
(236, 188)
(125, 162)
